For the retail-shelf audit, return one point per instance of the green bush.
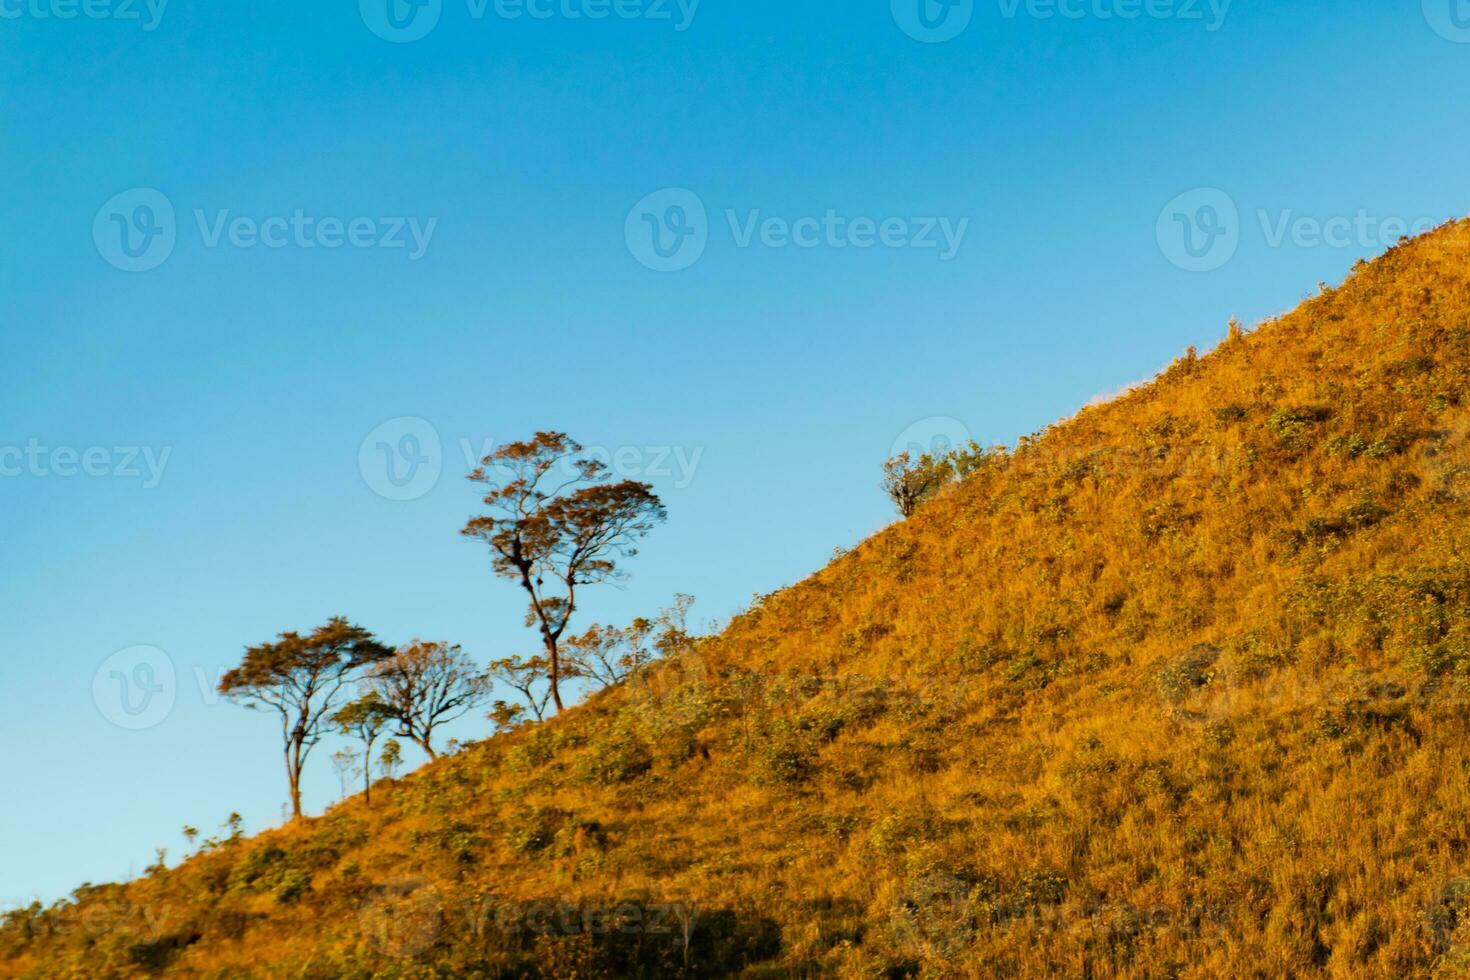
(1187, 673)
(534, 830)
(787, 756)
(291, 885)
(456, 838)
(1030, 673)
(611, 763)
(1291, 426)
(270, 870)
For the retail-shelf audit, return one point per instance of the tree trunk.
(555, 659)
(546, 634)
(293, 777)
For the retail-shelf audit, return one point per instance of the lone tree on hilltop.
(555, 525)
(425, 685)
(302, 679)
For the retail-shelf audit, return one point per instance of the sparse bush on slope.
(1175, 688)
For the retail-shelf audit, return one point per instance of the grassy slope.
(1175, 688)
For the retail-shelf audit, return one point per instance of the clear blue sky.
(521, 147)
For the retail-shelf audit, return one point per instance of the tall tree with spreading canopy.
(425, 685)
(556, 524)
(302, 678)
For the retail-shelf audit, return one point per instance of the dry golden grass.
(1175, 688)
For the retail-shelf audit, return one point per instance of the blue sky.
(867, 231)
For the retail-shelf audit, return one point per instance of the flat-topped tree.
(556, 524)
(302, 678)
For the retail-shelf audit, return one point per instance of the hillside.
(1174, 688)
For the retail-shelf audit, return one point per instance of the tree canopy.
(555, 524)
(424, 685)
(302, 678)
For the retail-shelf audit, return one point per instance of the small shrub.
(1219, 734)
(1036, 888)
(157, 955)
(578, 837)
(1291, 426)
(534, 830)
(1230, 414)
(1325, 532)
(291, 885)
(457, 839)
(1448, 910)
(787, 757)
(898, 832)
(609, 765)
(260, 864)
(1030, 673)
(536, 751)
(1187, 673)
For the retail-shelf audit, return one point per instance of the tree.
(425, 685)
(302, 678)
(909, 481)
(522, 675)
(556, 525)
(505, 716)
(391, 757)
(672, 636)
(364, 720)
(610, 655)
(607, 654)
(344, 763)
